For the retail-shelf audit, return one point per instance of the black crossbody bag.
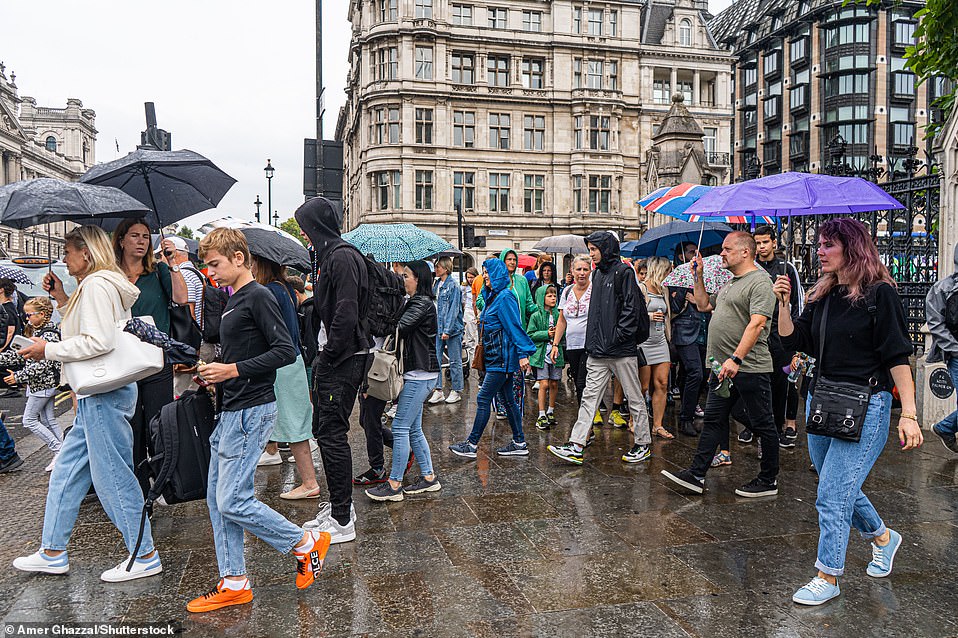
(838, 408)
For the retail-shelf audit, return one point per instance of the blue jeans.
(407, 429)
(7, 447)
(842, 468)
(497, 385)
(949, 425)
(98, 450)
(235, 447)
(454, 348)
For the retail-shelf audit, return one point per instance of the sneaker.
(422, 485)
(535, 386)
(756, 488)
(591, 439)
(269, 459)
(454, 397)
(220, 597)
(687, 428)
(514, 449)
(785, 443)
(722, 458)
(309, 564)
(40, 562)
(686, 479)
(436, 397)
(324, 522)
(699, 412)
(11, 464)
(816, 592)
(371, 477)
(884, 557)
(597, 419)
(142, 567)
(501, 415)
(543, 423)
(465, 449)
(53, 462)
(568, 452)
(391, 412)
(948, 440)
(618, 421)
(745, 436)
(385, 492)
(551, 416)
(791, 433)
(637, 454)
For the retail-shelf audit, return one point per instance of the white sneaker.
(269, 459)
(535, 386)
(391, 412)
(53, 461)
(436, 397)
(40, 562)
(454, 397)
(324, 522)
(142, 567)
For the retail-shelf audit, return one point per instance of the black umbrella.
(174, 184)
(278, 247)
(45, 200)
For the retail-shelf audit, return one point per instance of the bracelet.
(912, 417)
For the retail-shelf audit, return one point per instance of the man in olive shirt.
(738, 341)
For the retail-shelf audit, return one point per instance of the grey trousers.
(598, 373)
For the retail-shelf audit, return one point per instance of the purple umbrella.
(796, 194)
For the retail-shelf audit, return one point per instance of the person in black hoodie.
(341, 294)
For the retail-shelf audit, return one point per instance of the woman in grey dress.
(656, 348)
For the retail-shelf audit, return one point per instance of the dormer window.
(685, 32)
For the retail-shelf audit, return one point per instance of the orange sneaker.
(310, 563)
(219, 597)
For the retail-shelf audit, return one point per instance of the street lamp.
(269, 188)
(257, 204)
(276, 218)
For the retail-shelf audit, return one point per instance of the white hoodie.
(89, 329)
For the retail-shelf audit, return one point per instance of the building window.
(579, 128)
(534, 193)
(798, 143)
(464, 128)
(846, 84)
(499, 128)
(904, 84)
(798, 49)
(462, 15)
(593, 74)
(498, 192)
(577, 193)
(613, 75)
(497, 70)
(711, 134)
(577, 20)
(613, 23)
(423, 190)
(577, 73)
(533, 70)
(661, 91)
(685, 33)
(464, 190)
(903, 134)
(599, 132)
(798, 98)
(388, 63)
(904, 34)
(534, 132)
(423, 8)
(532, 21)
(595, 21)
(423, 126)
(388, 10)
(51, 144)
(463, 68)
(387, 187)
(751, 76)
(384, 127)
(846, 34)
(685, 88)
(600, 193)
(771, 63)
(771, 108)
(498, 17)
(423, 63)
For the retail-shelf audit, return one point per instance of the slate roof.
(655, 15)
(678, 121)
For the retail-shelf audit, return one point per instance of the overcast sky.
(231, 79)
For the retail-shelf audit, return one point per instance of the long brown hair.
(268, 271)
(862, 266)
(149, 263)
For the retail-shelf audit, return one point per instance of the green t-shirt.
(154, 300)
(735, 303)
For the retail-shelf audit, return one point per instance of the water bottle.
(723, 389)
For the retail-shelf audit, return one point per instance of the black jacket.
(617, 304)
(417, 334)
(342, 287)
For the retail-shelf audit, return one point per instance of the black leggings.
(576, 360)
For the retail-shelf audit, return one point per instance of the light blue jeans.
(453, 347)
(98, 450)
(235, 447)
(949, 425)
(407, 429)
(842, 468)
(39, 418)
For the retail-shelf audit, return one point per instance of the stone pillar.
(696, 88)
(674, 82)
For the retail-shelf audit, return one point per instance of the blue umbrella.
(662, 240)
(396, 242)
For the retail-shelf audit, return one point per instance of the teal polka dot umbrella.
(396, 242)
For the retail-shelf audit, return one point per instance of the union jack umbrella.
(673, 201)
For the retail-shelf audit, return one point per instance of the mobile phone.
(19, 341)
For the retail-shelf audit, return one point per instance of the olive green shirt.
(734, 305)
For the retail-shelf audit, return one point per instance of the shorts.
(548, 373)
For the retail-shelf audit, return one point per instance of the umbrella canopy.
(277, 246)
(396, 242)
(789, 194)
(564, 244)
(662, 240)
(713, 273)
(16, 275)
(526, 261)
(46, 200)
(673, 200)
(173, 184)
(233, 222)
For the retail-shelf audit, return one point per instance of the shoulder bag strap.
(821, 332)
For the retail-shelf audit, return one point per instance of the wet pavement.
(530, 546)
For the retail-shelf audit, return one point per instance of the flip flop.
(662, 433)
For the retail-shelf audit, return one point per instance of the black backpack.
(214, 303)
(387, 294)
(951, 311)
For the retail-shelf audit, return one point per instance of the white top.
(419, 375)
(576, 313)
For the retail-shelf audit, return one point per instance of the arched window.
(51, 144)
(685, 33)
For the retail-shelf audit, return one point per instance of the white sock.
(304, 547)
(542, 412)
(235, 585)
(550, 410)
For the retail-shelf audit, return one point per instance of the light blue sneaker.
(884, 557)
(816, 592)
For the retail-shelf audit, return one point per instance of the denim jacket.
(449, 306)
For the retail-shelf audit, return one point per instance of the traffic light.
(468, 236)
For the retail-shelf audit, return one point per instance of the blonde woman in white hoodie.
(98, 450)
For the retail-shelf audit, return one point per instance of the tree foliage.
(292, 227)
(186, 232)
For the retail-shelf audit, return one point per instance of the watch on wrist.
(736, 359)
(174, 269)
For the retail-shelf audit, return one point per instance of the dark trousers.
(7, 447)
(334, 393)
(691, 357)
(371, 419)
(791, 404)
(755, 392)
(576, 359)
(152, 394)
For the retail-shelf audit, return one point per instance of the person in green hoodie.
(548, 371)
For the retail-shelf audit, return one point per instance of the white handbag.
(130, 360)
(385, 380)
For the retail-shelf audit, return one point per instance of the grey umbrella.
(45, 200)
(564, 244)
(173, 184)
(277, 247)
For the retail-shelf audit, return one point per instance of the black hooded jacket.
(617, 310)
(341, 291)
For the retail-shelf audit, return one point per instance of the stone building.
(37, 141)
(534, 117)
